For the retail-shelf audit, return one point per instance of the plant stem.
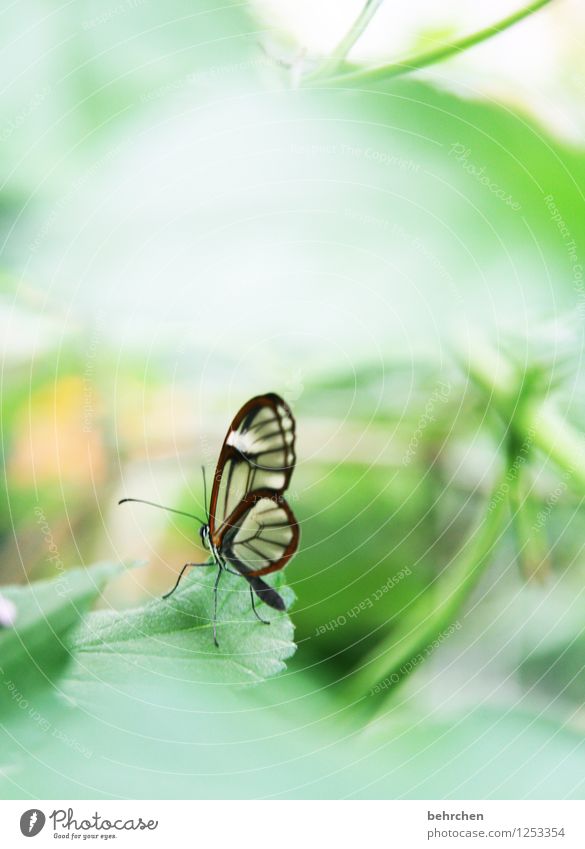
(556, 438)
(533, 420)
(531, 542)
(389, 663)
(430, 57)
(359, 26)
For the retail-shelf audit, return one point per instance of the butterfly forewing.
(258, 453)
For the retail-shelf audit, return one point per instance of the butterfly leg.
(181, 573)
(256, 614)
(215, 586)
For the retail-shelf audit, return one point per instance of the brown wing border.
(272, 400)
(240, 511)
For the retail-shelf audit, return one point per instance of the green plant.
(334, 70)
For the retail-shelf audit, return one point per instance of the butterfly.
(250, 527)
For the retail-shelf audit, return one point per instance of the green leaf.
(173, 638)
(34, 651)
(490, 751)
(284, 739)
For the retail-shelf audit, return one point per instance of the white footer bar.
(330, 824)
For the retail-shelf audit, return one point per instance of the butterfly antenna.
(162, 507)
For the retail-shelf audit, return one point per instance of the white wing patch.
(240, 441)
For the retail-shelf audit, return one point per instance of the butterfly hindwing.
(263, 536)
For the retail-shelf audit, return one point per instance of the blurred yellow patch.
(57, 436)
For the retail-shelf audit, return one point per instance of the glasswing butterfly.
(249, 525)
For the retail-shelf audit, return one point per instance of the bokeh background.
(186, 222)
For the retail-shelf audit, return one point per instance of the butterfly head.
(204, 534)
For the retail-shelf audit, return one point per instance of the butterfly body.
(264, 591)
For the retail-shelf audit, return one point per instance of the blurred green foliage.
(182, 229)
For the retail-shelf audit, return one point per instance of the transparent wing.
(262, 536)
(258, 454)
